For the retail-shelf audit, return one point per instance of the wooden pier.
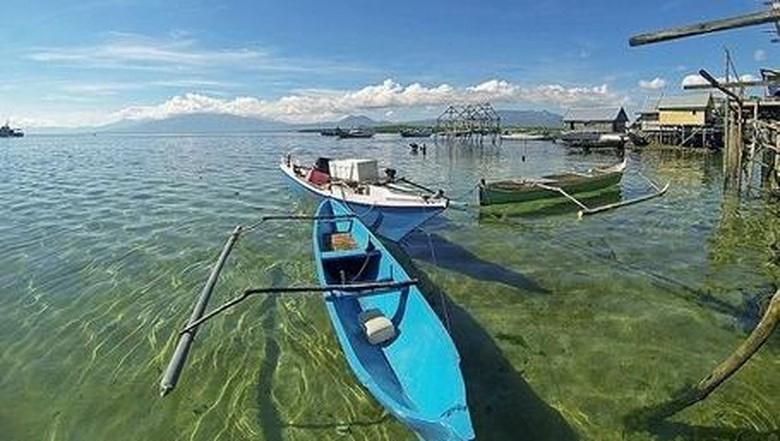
(751, 127)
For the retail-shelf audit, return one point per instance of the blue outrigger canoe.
(392, 339)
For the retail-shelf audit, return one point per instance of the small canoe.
(420, 132)
(392, 339)
(524, 137)
(355, 133)
(586, 139)
(389, 209)
(524, 190)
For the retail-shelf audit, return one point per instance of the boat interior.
(351, 255)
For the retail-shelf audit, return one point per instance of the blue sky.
(94, 62)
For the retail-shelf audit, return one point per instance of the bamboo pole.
(589, 211)
(721, 373)
(175, 366)
(756, 18)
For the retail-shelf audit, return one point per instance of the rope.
(296, 217)
(469, 192)
(446, 313)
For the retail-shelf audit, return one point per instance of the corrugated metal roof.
(593, 114)
(690, 101)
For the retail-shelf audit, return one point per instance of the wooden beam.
(706, 75)
(756, 18)
(730, 84)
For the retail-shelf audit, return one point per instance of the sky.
(88, 63)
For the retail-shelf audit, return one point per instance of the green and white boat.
(550, 186)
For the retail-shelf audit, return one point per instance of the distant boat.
(331, 132)
(638, 139)
(578, 138)
(519, 136)
(524, 190)
(393, 341)
(390, 207)
(416, 132)
(356, 133)
(7, 132)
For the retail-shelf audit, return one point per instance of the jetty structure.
(472, 123)
(751, 125)
(750, 139)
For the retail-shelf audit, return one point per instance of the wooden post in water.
(774, 161)
(720, 374)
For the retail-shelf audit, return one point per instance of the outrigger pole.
(658, 192)
(585, 210)
(187, 335)
(185, 338)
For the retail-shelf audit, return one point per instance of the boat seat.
(346, 254)
(378, 328)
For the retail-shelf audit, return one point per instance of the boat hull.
(393, 222)
(593, 139)
(416, 374)
(524, 137)
(551, 206)
(505, 192)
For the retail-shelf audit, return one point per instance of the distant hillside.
(348, 122)
(357, 121)
(225, 123)
(197, 123)
(530, 118)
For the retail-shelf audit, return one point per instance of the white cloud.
(760, 55)
(320, 105)
(178, 53)
(143, 54)
(654, 84)
(99, 89)
(748, 77)
(693, 80)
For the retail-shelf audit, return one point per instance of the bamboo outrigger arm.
(589, 211)
(186, 337)
(756, 18)
(585, 210)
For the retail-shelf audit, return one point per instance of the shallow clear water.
(565, 326)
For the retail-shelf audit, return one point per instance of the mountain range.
(226, 123)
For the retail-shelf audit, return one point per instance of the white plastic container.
(354, 170)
